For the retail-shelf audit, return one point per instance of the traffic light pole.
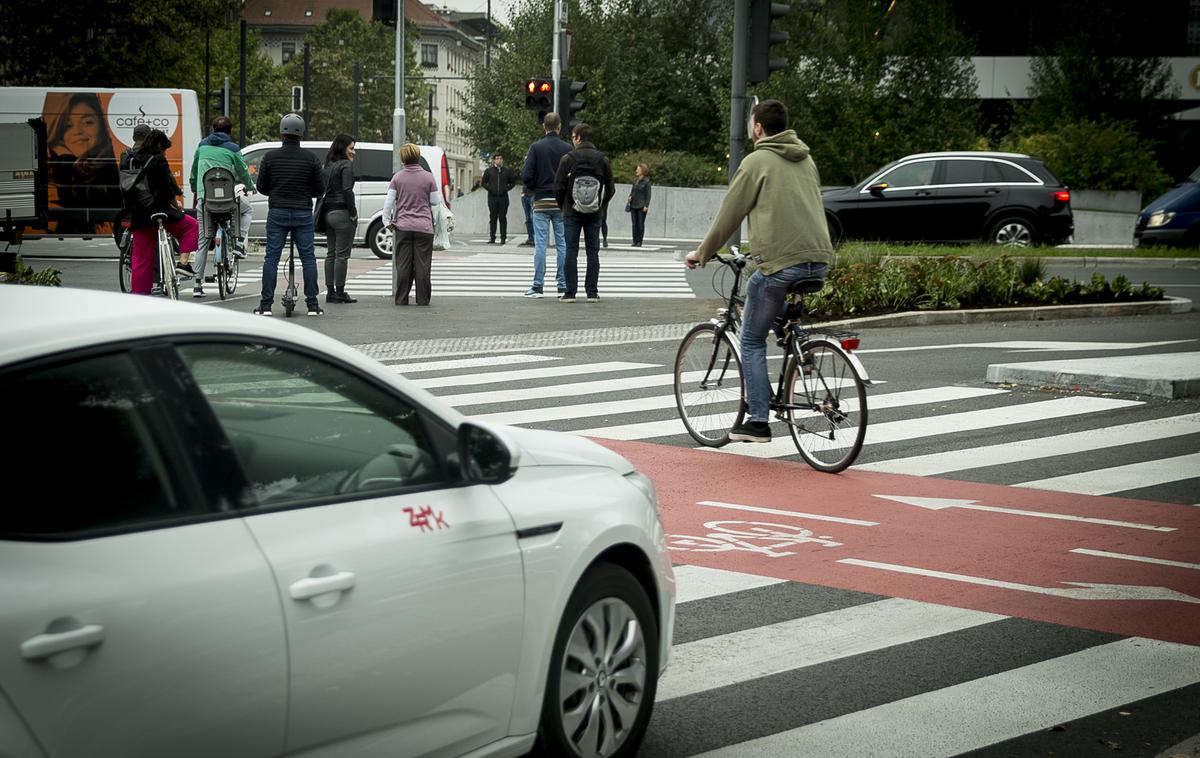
(556, 60)
(398, 123)
(737, 90)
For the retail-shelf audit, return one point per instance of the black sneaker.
(262, 310)
(526, 243)
(344, 297)
(185, 269)
(315, 310)
(565, 298)
(751, 431)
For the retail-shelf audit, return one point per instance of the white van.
(372, 173)
(87, 130)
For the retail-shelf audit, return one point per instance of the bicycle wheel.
(231, 275)
(166, 264)
(125, 268)
(829, 420)
(220, 259)
(708, 385)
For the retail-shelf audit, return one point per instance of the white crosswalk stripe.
(733, 654)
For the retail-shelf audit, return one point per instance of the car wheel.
(603, 669)
(1013, 231)
(380, 240)
(835, 230)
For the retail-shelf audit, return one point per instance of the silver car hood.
(544, 448)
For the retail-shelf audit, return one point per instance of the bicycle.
(820, 394)
(167, 283)
(125, 260)
(221, 195)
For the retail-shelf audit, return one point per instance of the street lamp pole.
(398, 122)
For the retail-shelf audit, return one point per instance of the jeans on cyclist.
(280, 221)
(208, 229)
(145, 250)
(765, 302)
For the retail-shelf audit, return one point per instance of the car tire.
(835, 229)
(379, 240)
(1012, 231)
(608, 709)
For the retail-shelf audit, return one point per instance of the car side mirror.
(484, 456)
(877, 189)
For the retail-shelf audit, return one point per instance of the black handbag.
(319, 215)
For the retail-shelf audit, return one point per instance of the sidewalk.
(1169, 375)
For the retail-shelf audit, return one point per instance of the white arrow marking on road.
(1077, 590)
(938, 503)
(1139, 558)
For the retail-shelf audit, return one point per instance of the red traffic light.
(545, 86)
(539, 94)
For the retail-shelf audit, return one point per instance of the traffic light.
(570, 94)
(216, 99)
(539, 96)
(760, 64)
(297, 99)
(384, 11)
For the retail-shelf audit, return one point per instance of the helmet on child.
(291, 126)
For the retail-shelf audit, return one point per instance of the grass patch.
(879, 249)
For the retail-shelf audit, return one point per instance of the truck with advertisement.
(87, 130)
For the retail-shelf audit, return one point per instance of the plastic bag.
(443, 224)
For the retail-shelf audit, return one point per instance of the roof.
(305, 13)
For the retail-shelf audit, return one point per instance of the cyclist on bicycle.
(166, 192)
(778, 188)
(217, 149)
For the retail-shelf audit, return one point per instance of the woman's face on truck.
(83, 129)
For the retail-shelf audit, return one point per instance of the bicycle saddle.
(805, 286)
(158, 217)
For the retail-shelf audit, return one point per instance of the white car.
(372, 173)
(238, 537)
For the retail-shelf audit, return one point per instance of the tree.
(872, 82)
(336, 45)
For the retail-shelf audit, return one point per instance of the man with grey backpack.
(583, 186)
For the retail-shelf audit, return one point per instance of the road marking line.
(573, 389)
(668, 427)
(1139, 558)
(516, 375)
(1122, 478)
(950, 423)
(793, 514)
(937, 504)
(991, 709)
(1030, 345)
(1076, 590)
(460, 363)
(749, 654)
(694, 583)
(1038, 448)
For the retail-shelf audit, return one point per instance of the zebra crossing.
(768, 667)
(504, 275)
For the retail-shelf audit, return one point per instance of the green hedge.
(1091, 156)
(673, 169)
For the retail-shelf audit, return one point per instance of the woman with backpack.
(163, 197)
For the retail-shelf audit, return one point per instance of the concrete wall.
(1101, 218)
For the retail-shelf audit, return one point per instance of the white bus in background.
(87, 130)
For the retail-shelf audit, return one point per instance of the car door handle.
(46, 645)
(924, 193)
(311, 586)
(991, 191)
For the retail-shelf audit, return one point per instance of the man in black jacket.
(585, 163)
(290, 177)
(498, 180)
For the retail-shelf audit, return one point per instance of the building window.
(429, 56)
(288, 51)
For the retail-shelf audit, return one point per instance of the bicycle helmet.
(291, 126)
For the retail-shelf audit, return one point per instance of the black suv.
(1005, 198)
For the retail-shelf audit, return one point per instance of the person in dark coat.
(499, 180)
(151, 160)
(584, 160)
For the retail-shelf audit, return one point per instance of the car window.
(916, 174)
(253, 160)
(1010, 173)
(372, 165)
(964, 172)
(91, 458)
(306, 430)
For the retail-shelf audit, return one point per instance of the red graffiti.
(421, 519)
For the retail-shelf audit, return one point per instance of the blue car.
(1173, 218)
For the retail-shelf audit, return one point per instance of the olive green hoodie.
(779, 188)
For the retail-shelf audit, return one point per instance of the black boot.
(344, 297)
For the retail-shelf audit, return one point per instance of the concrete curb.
(1121, 262)
(1168, 375)
(1170, 305)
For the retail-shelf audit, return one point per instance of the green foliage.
(860, 286)
(872, 82)
(670, 169)
(1088, 155)
(47, 277)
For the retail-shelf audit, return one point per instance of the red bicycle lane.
(1119, 565)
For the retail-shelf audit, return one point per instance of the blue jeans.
(527, 205)
(542, 220)
(280, 221)
(765, 302)
(590, 226)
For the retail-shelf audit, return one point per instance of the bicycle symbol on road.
(749, 536)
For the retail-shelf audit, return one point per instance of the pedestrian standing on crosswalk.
(638, 204)
(408, 211)
(541, 164)
(583, 185)
(498, 179)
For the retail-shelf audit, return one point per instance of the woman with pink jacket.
(408, 211)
